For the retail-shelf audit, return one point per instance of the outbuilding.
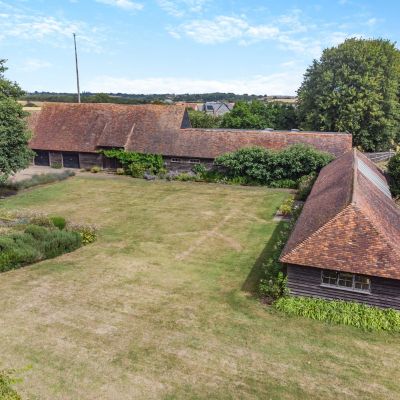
(71, 135)
(346, 242)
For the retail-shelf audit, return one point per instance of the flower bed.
(26, 239)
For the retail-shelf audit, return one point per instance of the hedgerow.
(264, 166)
(341, 312)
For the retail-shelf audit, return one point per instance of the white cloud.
(56, 31)
(279, 83)
(179, 8)
(224, 29)
(124, 4)
(34, 64)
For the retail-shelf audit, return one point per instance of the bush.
(88, 233)
(35, 243)
(6, 391)
(58, 222)
(286, 208)
(120, 171)
(136, 170)
(95, 169)
(341, 312)
(304, 186)
(60, 242)
(394, 174)
(267, 166)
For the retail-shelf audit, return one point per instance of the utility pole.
(77, 71)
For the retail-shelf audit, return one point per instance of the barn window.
(194, 161)
(345, 280)
(176, 160)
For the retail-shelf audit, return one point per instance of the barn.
(71, 135)
(346, 242)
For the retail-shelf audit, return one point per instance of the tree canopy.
(355, 87)
(260, 115)
(14, 135)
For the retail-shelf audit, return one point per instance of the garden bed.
(26, 239)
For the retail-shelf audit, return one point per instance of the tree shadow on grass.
(250, 285)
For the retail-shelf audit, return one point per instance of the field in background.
(155, 309)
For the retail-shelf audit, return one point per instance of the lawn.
(159, 308)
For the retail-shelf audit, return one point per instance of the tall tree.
(14, 135)
(355, 87)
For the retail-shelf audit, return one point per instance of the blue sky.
(180, 46)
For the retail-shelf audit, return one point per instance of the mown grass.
(154, 309)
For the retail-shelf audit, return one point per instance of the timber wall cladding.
(306, 281)
(55, 159)
(89, 160)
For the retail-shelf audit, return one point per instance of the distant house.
(71, 135)
(346, 242)
(216, 108)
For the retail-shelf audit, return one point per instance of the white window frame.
(194, 161)
(340, 287)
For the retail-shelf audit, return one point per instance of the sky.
(180, 46)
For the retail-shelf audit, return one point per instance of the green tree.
(200, 119)
(355, 87)
(14, 135)
(100, 98)
(260, 115)
(394, 174)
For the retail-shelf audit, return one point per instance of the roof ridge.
(308, 238)
(354, 179)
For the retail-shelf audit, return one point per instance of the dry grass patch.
(129, 317)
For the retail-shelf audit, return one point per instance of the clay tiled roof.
(86, 127)
(349, 222)
(210, 143)
(156, 129)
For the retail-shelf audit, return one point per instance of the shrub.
(304, 186)
(185, 177)
(60, 242)
(120, 171)
(95, 169)
(394, 174)
(35, 243)
(56, 165)
(37, 232)
(287, 207)
(88, 233)
(199, 169)
(136, 170)
(266, 166)
(341, 312)
(58, 222)
(6, 391)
